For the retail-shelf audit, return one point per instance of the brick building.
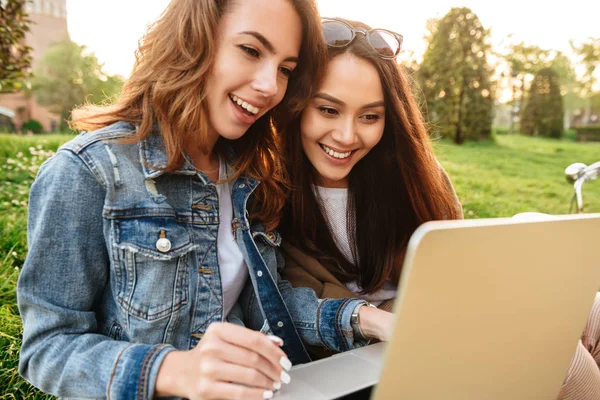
(48, 26)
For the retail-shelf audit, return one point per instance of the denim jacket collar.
(154, 157)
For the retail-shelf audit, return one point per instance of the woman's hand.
(376, 323)
(230, 362)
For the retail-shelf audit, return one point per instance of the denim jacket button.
(280, 324)
(163, 245)
(259, 273)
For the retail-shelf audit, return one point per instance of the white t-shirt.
(335, 204)
(232, 266)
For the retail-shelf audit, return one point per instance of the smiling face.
(344, 120)
(257, 49)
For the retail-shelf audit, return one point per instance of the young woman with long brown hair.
(362, 170)
(151, 241)
(364, 177)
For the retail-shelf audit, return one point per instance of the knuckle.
(255, 376)
(207, 369)
(256, 340)
(254, 358)
(202, 388)
(241, 393)
(215, 327)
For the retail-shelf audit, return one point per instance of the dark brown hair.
(168, 86)
(396, 187)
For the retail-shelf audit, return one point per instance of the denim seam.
(208, 319)
(155, 213)
(89, 165)
(210, 287)
(145, 371)
(319, 325)
(103, 137)
(114, 371)
(338, 324)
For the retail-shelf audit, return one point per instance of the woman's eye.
(252, 52)
(328, 111)
(371, 118)
(287, 72)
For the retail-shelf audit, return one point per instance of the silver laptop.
(487, 309)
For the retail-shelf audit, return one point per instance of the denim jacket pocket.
(152, 266)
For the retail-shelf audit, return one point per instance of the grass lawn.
(493, 179)
(516, 174)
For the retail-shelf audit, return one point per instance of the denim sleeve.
(65, 274)
(320, 322)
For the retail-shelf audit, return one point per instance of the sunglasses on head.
(338, 33)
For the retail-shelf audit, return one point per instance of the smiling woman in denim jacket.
(151, 230)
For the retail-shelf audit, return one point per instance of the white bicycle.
(578, 174)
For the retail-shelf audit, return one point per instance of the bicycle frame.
(578, 174)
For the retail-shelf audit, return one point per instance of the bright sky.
(111, 28)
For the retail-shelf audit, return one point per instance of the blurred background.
(510, 91)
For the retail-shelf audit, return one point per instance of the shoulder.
(86, 140)
(87, 153)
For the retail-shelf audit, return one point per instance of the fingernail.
(285, 363)
(267, 394)
(276, 385)
(275, 339)
(285, 378)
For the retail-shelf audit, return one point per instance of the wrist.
(361, 329)
(167, 382)
(371, 319)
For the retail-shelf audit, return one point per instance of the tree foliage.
(589, 54)
(68, 76)
(544, 113)
(15, 56)
(589, 51)
(456, 78)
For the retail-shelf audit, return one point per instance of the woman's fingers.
(211, 390)
(234, 354)
(255, 342)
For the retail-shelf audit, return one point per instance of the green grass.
(493, 179)
(516, 174)
(20, 158)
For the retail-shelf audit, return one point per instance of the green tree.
(523, 61)
(456, 78)
(15, 56)
(589, 52)
(563, 66)
(68, 76)
(544, 114)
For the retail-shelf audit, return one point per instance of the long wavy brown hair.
(395, 188)
(168, 86)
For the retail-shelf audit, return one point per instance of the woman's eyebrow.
(265, 42)
(374, 104)
(337, 101)
(330, 98)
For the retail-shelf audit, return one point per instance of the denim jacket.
(122, 269)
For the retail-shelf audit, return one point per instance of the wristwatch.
(355, 321)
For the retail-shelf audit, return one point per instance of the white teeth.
(244, 105)
(335, 154)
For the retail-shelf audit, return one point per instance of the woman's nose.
(265, 81)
